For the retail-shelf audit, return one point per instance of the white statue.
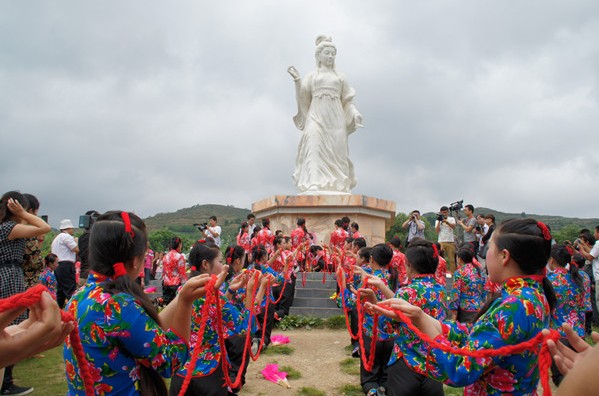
(326, 116)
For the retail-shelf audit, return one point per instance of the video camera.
(201, 226)
(87, 220)
(456, 206)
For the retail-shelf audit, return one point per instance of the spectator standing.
(414, 225)
(16, 226)
(251, 220)
(469, 226)
(592, 254)
(213, 230)
(83, 244)
(64, 246)
(446, 238)
(148, 262)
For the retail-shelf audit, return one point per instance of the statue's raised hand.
(294, 73)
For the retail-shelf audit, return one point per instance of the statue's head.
(324, 47)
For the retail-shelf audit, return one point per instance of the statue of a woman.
(326, 116)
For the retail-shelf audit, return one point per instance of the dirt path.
(317, 354)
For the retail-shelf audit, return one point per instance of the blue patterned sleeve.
(143, 338)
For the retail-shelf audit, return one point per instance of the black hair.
(301, 222)
(174, 243)
(365, 253)
(259, 253)
(578, 260)
(199, 252)
(243, 225)
(466, 254)
(382, 254)
(339, 223)
(265, 222)
(110, 243)
(469, 207)
(345, 220)
(50, 258)
(443, 208)
(250, 216)
(355, 225)
(527, 246)
(231, 254)
(212, 218)
(277, 241)
(396, 242)
(6, 214)
(359, 242)
(562, 256)
(349, 240)
(33, 203)
(255, 232)
(420, 256)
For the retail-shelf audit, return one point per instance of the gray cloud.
(154, 107)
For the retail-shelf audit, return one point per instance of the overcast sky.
(154, 106)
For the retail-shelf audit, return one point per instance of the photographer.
(83, 244)
(444, 226)
(469, 226)
(213, 231)
(414, 225)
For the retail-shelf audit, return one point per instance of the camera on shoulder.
(201, 226)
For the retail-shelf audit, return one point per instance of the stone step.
(317, 312)
(314, 293)
(309, 302)
(317, 283)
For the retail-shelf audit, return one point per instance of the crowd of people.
(508, 283)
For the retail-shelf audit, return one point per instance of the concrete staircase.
(314, 298)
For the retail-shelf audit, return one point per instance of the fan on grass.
(271, 373)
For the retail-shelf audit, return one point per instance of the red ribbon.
(544, 230)
(127, 221)
(119, 270)
(435, 251)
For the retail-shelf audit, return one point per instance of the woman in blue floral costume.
(47, 277)
(573, 292)
(468, 294)
(128, 346)
(407, 372)
(207, 373)
(517, 255)
(376, 273)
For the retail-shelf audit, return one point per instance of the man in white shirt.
(213, 231)
(592, 253)
(65, 247)
(445, 228)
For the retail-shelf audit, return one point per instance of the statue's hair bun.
(321, 38)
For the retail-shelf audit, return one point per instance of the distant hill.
(181, 221)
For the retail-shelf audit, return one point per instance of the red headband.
(435, 251)
(127, 221)
(544, 230)
(119, 270)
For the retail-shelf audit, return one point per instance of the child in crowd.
(127, 344)
(378, 275)
(243, 238)
(441, 273)
(573, 293)
(207, 374)
(468, 294)
(516, 259)
(173, 270)
(399, 260)
(47, 277)
(407, 373)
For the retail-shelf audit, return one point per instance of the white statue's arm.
(353, 117)
(303, 101)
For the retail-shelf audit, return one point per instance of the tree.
(567, 233)
(161, 239)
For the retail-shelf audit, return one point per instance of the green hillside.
(181, 222)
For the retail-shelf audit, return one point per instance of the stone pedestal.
(374, 215)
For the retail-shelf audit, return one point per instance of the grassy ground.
(45, 372)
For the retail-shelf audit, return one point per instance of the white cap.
(65, 224)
